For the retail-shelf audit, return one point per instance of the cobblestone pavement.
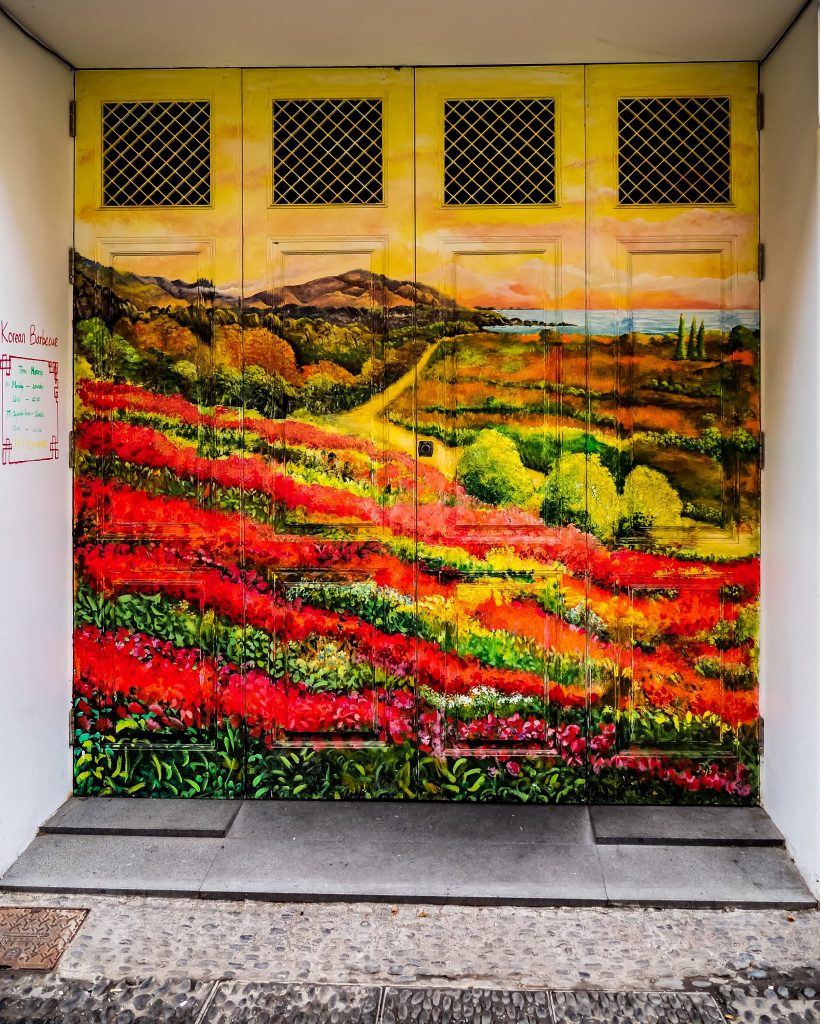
(198, 961)
(184, 1001)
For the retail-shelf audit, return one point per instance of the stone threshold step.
(124, 816)
(421, 821)
(467, 870)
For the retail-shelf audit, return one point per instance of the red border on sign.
(52, 367)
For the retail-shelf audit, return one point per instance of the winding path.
(368, 420)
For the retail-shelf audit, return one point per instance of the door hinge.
(761, 447)
(72, 118)
(761, 732)
(760, 111)
(71, 722)
(72, 256)
(761, 261)
(71, 449)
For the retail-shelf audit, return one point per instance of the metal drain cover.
(34, 938)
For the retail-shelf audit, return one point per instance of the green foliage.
(268, 393)
(691, 345)
(109, 355)
(491, 470)
(650, 499)
(323, 394)
(743, 338)
(680, 348)
(700, 347)
(581, 490)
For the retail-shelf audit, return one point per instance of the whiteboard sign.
(29, 397)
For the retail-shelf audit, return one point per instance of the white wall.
(791, 419)
(35, 510)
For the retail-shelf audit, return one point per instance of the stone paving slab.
(63, 1001)
(113, 864)
(254, 1003)
(465, 1006)
(689, 826)
(629, 1007)
(463, 872)
(134, 817)
(348, 821)
(770, 1007)
(702, 876)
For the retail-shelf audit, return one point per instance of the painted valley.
(278, 597)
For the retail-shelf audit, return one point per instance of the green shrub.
(491, 470)
(648, 498)
(580, 490)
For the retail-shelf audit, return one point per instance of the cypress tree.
(680, 348)
(701, 349)
(690, 348)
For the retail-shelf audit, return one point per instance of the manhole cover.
(34, 938)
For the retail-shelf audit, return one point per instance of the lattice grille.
(327, 152)
(674, 150)
(499, 152)
(156, 154)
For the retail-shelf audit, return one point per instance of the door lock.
(425, 449)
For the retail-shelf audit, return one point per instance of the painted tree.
(700, 351)
(692, 343)
(649, 499)
(491, 470)
(680, 348)
(580, 490)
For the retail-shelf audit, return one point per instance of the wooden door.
(417, 434)
(500, 236)
(329, 315)
(672, 181)
(158, 688)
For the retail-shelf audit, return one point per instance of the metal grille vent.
(156, 154)
(327, 152)
(674, 150)
(499, 152)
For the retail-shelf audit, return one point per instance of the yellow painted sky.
(580, 252)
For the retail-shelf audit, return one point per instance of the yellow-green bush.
(491, 470)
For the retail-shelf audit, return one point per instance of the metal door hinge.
(71, 449)
(72, 118)
(72, 255)
(761, 261)
(760, 112)
(71, 722)
(761, 446)
(761, 732)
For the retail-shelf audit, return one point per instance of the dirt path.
(368, 420)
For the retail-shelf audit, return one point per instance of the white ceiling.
(305, 33)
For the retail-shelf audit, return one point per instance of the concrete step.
(133, 817)
(346, 865)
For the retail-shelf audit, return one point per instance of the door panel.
(500, 236)
(329, 277)
(159, 694)
(674, 407)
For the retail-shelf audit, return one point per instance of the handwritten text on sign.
(29, 393)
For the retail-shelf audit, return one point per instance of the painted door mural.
(673, 389)
(500, 233)
(328, 229)
(416, 434)
(159, 695)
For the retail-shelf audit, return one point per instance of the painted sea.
(610, 321)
